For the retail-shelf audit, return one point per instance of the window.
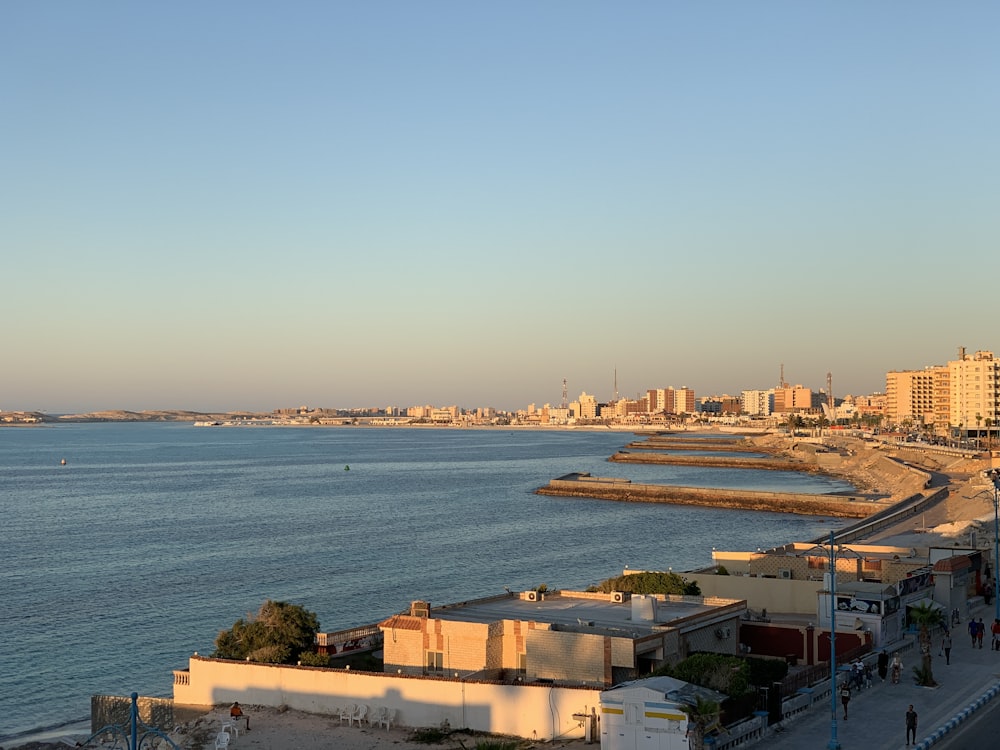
(871, 566)
(435, 661)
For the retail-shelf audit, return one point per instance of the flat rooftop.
(582, 613)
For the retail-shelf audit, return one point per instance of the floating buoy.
(63, 462)
(347, 468)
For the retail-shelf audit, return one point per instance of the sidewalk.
(876, 715)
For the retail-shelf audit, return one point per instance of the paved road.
(876, 719)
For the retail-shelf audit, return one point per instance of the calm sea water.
(153, 537)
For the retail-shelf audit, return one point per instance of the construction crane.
(565, 397)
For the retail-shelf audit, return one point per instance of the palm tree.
(703, 717)
(925, 616)
(794, 421)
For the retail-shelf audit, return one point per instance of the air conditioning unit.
(531, 596)
(785, 573)
(619, 597)
(721, 633)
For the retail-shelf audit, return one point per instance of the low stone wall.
(583, 485)
(541, 712)
(108, 710)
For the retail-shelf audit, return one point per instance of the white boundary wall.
(537, 712)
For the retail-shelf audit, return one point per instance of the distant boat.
(63, 462)
(347, 468)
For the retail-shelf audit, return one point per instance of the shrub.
(765, 671)
(310, 659)
(651, 583)
(429, 736)
(725, 674)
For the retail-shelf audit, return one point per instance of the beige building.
(805, 561)
(909, 397)
(961, 398)
(794, 398)
(575, 638)
(974, 393)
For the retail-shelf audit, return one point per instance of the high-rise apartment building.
(683, 400)
(974, 393)
(961, 398)
(757, 403)
(909, 397)
(587, 406)
(792, 398)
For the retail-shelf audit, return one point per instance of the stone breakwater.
(623, 490)
(728, 462)
(671, 443)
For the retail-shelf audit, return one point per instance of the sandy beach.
(274, 729)
(285, 729)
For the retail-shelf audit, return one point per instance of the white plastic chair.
(346, 713)
(222, 740)
(375, 716)
(232, 726)
(359, 714)
(388, 714)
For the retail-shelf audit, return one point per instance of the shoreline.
(941, 525)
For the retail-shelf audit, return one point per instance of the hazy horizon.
(245, 205)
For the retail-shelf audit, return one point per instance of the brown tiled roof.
(403, 622)
(953, 564)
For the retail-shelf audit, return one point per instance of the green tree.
(925, 617)
(794, 421)
(703, 717)
(720, 672)
(278, 634)
(651, 583)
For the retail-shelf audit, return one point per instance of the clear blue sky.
(248, 205)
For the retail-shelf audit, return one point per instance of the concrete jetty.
(669, 443)
(725, 462)
(624, 490)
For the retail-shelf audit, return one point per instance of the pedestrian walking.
(946, 646)
(980, 631)
(883, 664)
(845, 697)
(995, 629)
(973, 629)
(911, 726)
(897, 669)
(858, 674)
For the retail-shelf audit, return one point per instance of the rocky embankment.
(880, 480)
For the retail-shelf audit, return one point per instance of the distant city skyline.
(246, 206)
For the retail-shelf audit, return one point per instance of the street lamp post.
(831, 553)
(994, 475)
(834, 743)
